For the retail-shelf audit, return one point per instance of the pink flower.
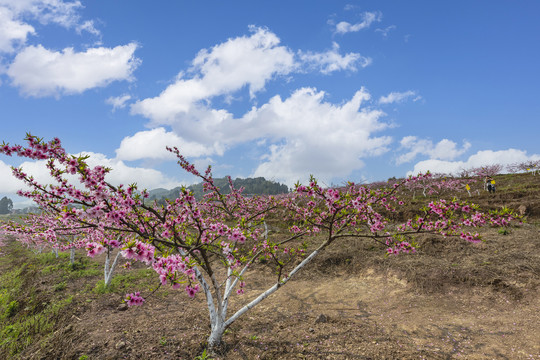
(94, 249)
(134, 299)
(295, 229)
(191, 291)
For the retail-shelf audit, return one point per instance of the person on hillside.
(489, 184)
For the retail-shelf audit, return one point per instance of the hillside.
(252, 186)
(451, 300)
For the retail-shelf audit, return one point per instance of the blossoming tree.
(209, 245)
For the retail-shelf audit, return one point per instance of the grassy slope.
(40, 294)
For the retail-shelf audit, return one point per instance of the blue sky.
(344, 90)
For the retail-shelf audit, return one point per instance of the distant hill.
(252, 186)
(159, 193)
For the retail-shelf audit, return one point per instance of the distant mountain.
(27, 210)
(252, 186)
(158, 193)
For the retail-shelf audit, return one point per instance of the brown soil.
(451, 300)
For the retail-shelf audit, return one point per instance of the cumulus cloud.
(330, 61)
(152, 144)
(303, 134)
(243, 61)
(118, 102)
(63, 13)
(120, 174)
(41, 72)
(443, 150)
(313, 136)
(298, 134)
(37, 169)
(9, 183)
(397, 97)
(12, 31)
(481, 158)
(368, 18)
(124, 174)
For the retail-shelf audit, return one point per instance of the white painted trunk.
(218, 309)
(216, 337)
(109, 270)
(272, 289)
(216, 321)
(72, 255)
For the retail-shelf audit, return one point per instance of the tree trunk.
(218, 314)
(72, 256)
(109, 272)
(215, 340)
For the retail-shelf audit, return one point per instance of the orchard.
(205, 247)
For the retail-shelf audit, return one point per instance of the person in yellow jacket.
(489, 184)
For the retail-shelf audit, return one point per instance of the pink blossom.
(134, 299)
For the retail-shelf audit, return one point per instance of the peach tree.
(208, 245)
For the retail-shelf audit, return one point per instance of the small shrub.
(100, 288)
(50, 258)
(77, 265)
(203, 356)
(49, 269)
(122, 282)
(61, 286)
(11, 309)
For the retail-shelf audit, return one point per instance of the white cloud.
(349, 7)
(151, 145)
(299, 134)
(447, 150)
(386, 30)
(124, 174)
(397, 97)
(118, 102)
(12, 31)
(228, 67)
(368, 18)
(303, 134)
(481, 158)
(63, 13)
(120, 174)
(41, 72)
(317, 137)
(243, 61)
(443, 150)
(330, 61)
(88, 26)
(9, 183)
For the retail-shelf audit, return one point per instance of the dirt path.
(455, 325)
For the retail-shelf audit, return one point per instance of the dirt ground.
(433, 305)
(451, 300)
